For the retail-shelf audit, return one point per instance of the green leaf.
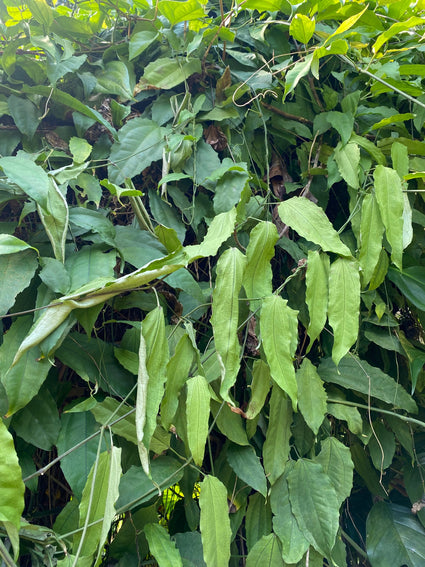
(153, 358)
(247, 467)
(225, 315)
(276, 446)
(381, 446)
(302, 28)
(296, 73)
(266, 552)
(258, 519)
(389, 195)
(31, 178)
(285, 525)
(55, 219)
(355, 374)
(257, 279)
(41, 12)
(260, 386)
(17, 271)
(140, 41)
(117, 78)
(336, 462)
(197, 414)
(25, 115)
(267, 5)
(10, 244)
(317, 277)
(348, 160)
(314, 504)
(111, 410)
(140, 142)
(311, 223)
(176, 12)
(23, 380)
(371, 233)
(229, 423)
(97, 502)
(396, 29)
(220, 229)
(349, 414)
(161, 547)
(344, 305)
(80, 149)
(411, 283)
(394, 537)
(214, 523)
(311, 395)
(11, 486)
(166, 73)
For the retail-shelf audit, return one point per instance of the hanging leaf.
(161, 547)
(317, 277)
(310, 222)
(260, 386)
(140, 41)
(302, 28)
(166, 73)
(214, 523)
(389, 196)
(314, 503)
(225, 316)
(344, 305)
(336, 462)
(371, 233)
(197, 413)
(276, 446)
(16, 270)
(55, 219)
(348, 160)
(258, 521)
(311, 395)
(266, 552)
(411, 283)
(176, 12)
(257, 280)
(247, 467)
(296, 73)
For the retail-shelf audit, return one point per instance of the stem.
(354, 545)
(4, 554)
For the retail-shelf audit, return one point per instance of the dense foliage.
(212, 289)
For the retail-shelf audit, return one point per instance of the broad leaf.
(276, 447)
(176, 12)
(258, 521)
(310, 221)
(411, 282)
(336, 461)
(311, 395)
(348, 159)
(16, 271)
(247, 467)
(302, 28)
(161, 547)
(197, 414)
(214, 523)
(317, 277)
(371, 233)
(266, 552)
(166, 73)
(11, 486)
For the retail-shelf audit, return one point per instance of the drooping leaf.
(382, 446)
(161, 547)
(276, 447)
(257, 280)
(302, 28)
(258, 521)
(336, 462)
(197, 413)
(224, 320)
(411, 282)
(140, 41)
(296, 73)
(344, 305)
(279, 332)
(265, 552)
(25, 114)
(310, 221)
(395, 29)
(11, 486)
(117, 78)
(214, 523)
(371, 233)
(247, 467)
(260, 386)
(176, 12)
(16, 271)
(317, 278)
(314, 503)
(389, 196)
(31, 178)
(311, 395)
(166, 73)
(348, 159)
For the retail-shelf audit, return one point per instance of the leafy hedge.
(212, 283)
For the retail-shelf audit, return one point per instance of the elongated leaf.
(176, 12)
(11, 486)
(225, 314)
(371, 233)
(355, 374)
(344, 305)
(276, 446)
(394, 537)
(296, 73)
(214, 523)
(411, 282)
(311, 395)
(348, 159)
(140, 41)
(395, 29)
(266, 552)
(111, 410)
(10, 244)
(55, 219)
(161, 547)
(317, 277)
(197, 413)
(258, 519)
(260, 386)
(97, 502)
(285, 525)
(257, 279)
(310, 221)
(349, 414)
(389, 196)
(16, 271)
(279, 332)
(220, 229)
(25, 115)
(314, 504)
(336, 461)
(166, 73)
(31, 178)
(153, 358)
(247, 467)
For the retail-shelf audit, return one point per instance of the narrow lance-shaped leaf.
(336, 461)
(347, 158)
(276, 446)
(260, 386)
(311, 395)
(224, 320)
(311, 222)
(247, 467)
(317, 277)
(214, 522)
(55, 219)
(279, 333)
(371, 233)
(197, 414)
(344, 305)
(257, 279)
(161, 546)
(389, 195)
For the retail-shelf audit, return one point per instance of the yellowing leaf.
(302, 28)
(344, 305)
(395, 29)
